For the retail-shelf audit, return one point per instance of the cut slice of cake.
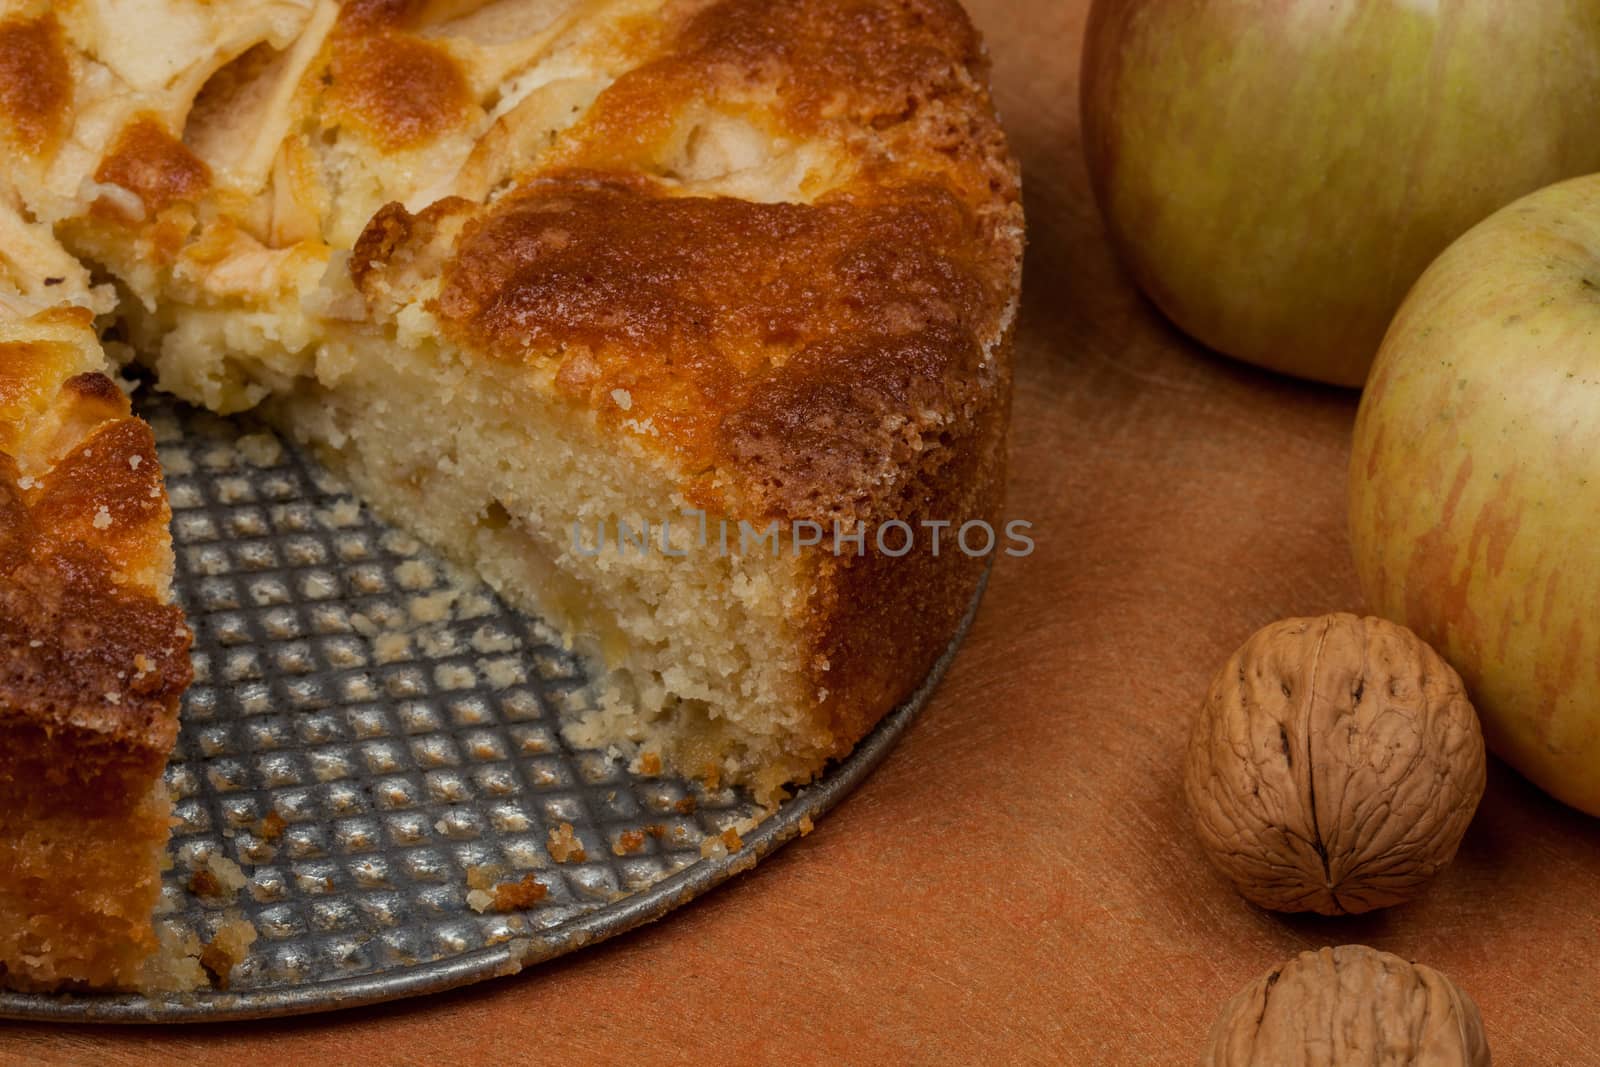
(685, 324)
(93, 659)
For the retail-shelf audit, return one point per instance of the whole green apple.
(1276, 173)
(1475, 479)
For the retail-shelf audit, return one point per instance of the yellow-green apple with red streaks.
(1475, 479)
(1276, 173)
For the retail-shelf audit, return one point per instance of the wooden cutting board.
(1017, 884)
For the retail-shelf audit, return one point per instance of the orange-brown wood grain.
(1017, 884)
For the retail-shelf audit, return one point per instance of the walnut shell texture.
(1335, 765)
(1351, 1006)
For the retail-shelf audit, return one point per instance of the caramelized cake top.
(774, 242)
(91, 652)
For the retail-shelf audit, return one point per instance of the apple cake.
(93, 659)
(654, 314)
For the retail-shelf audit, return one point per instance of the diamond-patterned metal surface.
(370, 736)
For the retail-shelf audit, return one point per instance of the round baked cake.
(652, 314)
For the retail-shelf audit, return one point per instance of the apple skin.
(1276, 173)
(1475, 479)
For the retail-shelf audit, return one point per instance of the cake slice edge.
(93, 661)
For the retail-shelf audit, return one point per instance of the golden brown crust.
(838, 360)
(154, 165)
(898, 88)
(790, 358)
(789, 353)
(878, 623)
(399, 90)
(79, 649)
(815, 64)
(369, 15)
(35, 83)
(871, 62)
(92, 658)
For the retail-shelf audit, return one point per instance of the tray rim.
(517, 954)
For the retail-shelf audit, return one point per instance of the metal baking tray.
(403, 724)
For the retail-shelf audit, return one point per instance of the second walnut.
(1335, 765)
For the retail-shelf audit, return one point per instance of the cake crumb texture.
(564, 846)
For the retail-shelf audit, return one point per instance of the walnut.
(1334, 766)
(1348, 1007)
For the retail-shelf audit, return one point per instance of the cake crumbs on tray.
(203, 883)
(183, 963)
(628, 842)
(508, 896)
(717, 846)
(272, 825)
(564, 845)
(174, 967)
(437, 642)
(227, 947)
(216, 877)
